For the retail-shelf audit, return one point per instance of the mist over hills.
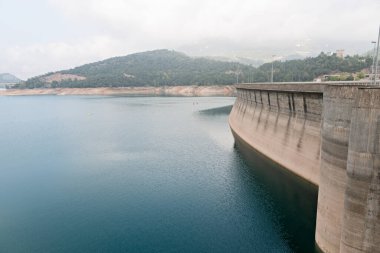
(6, 78)
(169, 68)
(256, 50)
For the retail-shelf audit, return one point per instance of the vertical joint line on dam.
(304, 103)
(293, 106)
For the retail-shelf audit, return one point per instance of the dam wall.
(327, 134)
(361, 219)
(284, 125)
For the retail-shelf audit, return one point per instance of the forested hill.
(311, 68)
(152, 68)
(164, 67)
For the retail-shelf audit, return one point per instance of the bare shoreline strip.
(214, 90)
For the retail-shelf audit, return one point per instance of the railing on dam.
(301, 86)
(327, 133)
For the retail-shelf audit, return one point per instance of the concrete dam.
(329, 135)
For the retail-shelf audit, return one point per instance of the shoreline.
(185, 91)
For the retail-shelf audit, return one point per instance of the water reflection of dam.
(327, 134)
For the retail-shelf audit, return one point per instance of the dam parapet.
(327, 134)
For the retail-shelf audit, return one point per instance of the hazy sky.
(38, 36)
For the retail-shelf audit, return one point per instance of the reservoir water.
(141, 174)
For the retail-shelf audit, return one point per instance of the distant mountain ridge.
(170, 68)
(6, 78)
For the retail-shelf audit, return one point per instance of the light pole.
(271, 76)
(237, 72)
(377, 56)
(373, 58)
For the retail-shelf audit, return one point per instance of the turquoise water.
(141, 174)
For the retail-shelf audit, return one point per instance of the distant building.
(332, 77)
(340, 53)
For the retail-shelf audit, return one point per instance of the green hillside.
(153, 68)
(164, 67)
(310, 68)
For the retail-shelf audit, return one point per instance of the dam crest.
(329, 135)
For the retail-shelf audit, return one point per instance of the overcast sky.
(39, 36)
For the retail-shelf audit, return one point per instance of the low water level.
(141, 174)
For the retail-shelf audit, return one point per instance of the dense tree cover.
(153, 68)
(310, 68)
(164, 67)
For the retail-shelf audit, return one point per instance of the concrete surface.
(329, 135)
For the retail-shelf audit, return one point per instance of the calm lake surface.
(141, 174)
